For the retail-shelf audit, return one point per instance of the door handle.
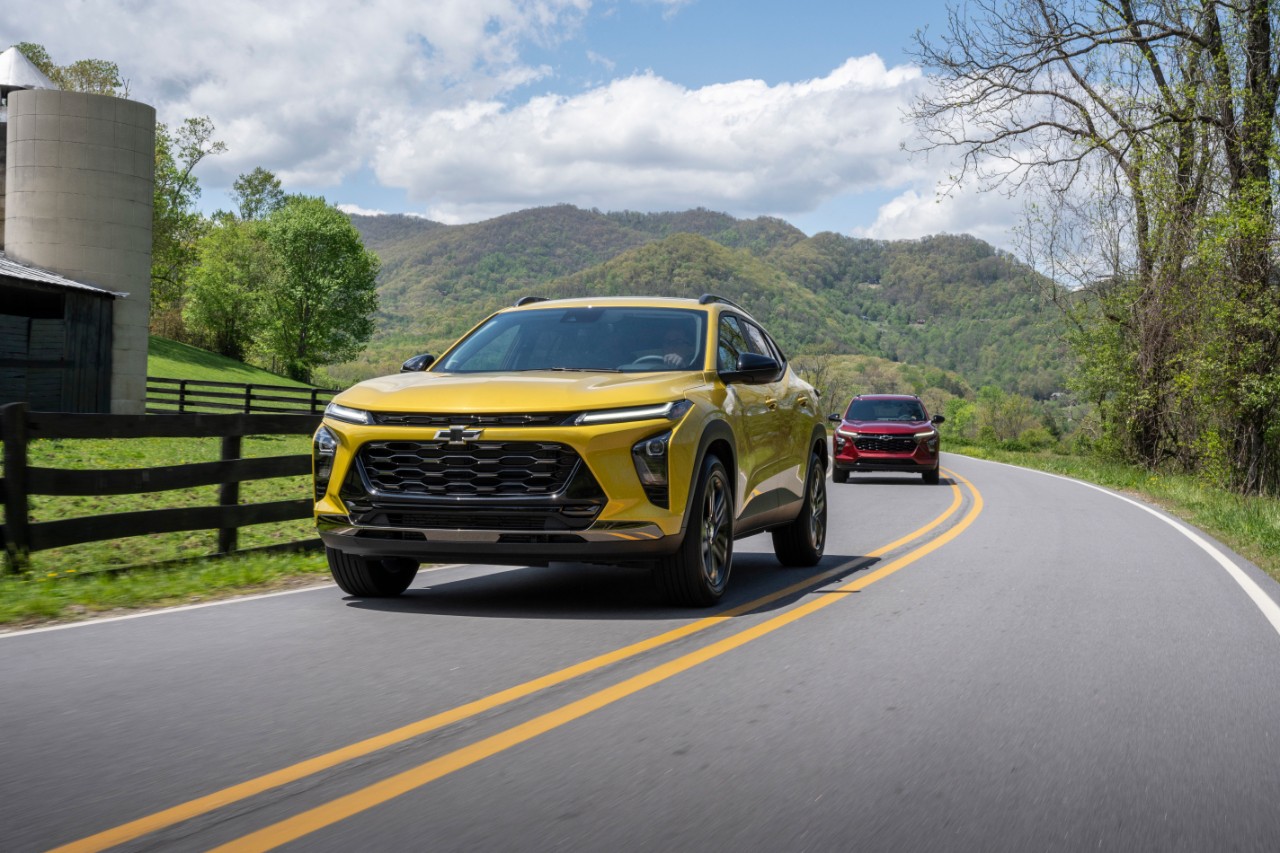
(771, 403)
(803, 401)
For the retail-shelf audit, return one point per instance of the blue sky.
(460, 110)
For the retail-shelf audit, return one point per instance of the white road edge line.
(85, 623)
(1260, 598)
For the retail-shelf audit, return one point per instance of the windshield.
(621, 339)
(885, 410)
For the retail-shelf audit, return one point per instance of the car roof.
(687, 303)
(886, 397)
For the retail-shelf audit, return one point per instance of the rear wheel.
(698, 572)
(801, 542)
(370, 577)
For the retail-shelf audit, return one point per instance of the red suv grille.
(886, 443)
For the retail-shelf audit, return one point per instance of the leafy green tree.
(318, 307)
(223, 310)
(176, 223)
(93, 76)
(257, 194)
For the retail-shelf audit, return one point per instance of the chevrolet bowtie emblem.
(458, 434)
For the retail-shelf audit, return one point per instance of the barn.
(55, 340)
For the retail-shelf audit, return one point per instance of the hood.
(534, 391)
(888, 427)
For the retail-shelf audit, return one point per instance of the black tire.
(930, 477)
(697, 574)
(840, 475)
(368, 577)
(801, 542)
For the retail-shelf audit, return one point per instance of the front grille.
(476, 468)
(886, 443)
(444, 421)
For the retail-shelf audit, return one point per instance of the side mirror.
(937, 419)
(835, 418)
(418, 363)
(753, 369)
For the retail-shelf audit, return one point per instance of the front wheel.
(369, 577)
(930, 477)
(801, 542)
(840, 475)
(698, 572)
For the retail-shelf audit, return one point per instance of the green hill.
(171, 360)
(952, 303)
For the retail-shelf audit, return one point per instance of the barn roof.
(13, 269)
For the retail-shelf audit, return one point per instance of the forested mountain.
(948, 302)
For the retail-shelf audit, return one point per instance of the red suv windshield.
(885, 410)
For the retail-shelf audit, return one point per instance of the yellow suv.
(600, 430)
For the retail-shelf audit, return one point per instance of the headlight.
(323, 448)
(650, 457)
(345, 413)
(926, 435)
(670, 411)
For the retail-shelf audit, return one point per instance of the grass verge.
(41, 598)
(1250, 526)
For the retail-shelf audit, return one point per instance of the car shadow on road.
(576, 591)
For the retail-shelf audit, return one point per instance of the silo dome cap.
(18, 72)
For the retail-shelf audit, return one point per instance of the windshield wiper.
(584, 369)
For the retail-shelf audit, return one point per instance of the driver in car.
(678, 347)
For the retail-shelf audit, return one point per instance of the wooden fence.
(168, 396)
(19, 426)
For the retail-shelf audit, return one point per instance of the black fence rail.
(19, 427)
(169, 396)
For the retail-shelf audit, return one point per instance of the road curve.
(1009, 661)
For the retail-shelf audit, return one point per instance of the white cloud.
(357, 210)
(916, 213)
(302, 87)
(646, 143)
(422, 95)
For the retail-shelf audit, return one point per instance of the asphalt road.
(1007, 661)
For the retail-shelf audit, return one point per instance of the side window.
(732, 343)
(759, 341)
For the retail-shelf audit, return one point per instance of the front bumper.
(520, 496)
(618, 542)
(886, 453)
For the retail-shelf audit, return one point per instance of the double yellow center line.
(366, 798)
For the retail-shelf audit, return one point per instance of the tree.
(94, 76)
(1143, 133)
(225, 289)
(257, 194)
(176, 223)
(320, 302)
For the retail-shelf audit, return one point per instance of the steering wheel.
(650, 359)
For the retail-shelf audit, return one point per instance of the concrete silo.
(79, 179)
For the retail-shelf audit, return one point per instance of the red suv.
(886, 432)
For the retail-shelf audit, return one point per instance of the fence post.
(229, 495)
(17, 530)
(248, 399)
(315, 400)
(182, 396)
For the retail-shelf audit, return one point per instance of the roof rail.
(525, 300)
(707, 298)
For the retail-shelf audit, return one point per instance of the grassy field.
(62, 583)
(172, 360)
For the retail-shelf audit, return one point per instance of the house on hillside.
(76, 185)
